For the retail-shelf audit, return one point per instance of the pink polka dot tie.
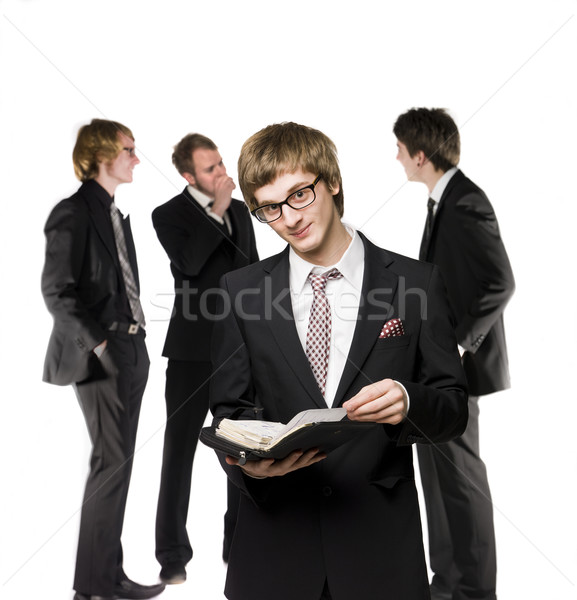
(319, 329)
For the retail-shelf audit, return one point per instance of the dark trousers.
(111, 407)
(460, 515)
(187, 395)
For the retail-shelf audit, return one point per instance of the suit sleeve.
(438, 407)
(477, 235)
(66, 239)
(231, 386)
(231, 390)
(188, 243)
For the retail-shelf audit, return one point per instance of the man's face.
(310, 231)
(409, 163)
(120, 169)
(208, 168)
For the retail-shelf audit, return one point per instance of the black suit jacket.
(82, 282)
(353, 517)
(466, 245)
(200, 252)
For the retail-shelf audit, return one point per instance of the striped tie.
(319, 329)
(129, 281)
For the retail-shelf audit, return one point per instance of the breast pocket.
(390, 343)
(392, 358)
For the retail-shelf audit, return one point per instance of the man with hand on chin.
(90, 286)
(343, 526)
(205, 233)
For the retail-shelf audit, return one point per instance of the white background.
(505, 69)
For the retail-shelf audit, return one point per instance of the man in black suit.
(343, 526)
(90, 286)
(205, 233)
(461, 237)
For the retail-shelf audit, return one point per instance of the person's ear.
(421, 158)
(190, 179)
(334, 188)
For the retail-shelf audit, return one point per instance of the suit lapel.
(455, 179)
(281, 323)
(210, 222)
(191, 202)
(131, 249)
(379, 290)
(101, 220)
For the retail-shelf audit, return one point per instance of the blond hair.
(97, 142)
(284, 148)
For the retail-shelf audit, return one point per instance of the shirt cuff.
(406, 395)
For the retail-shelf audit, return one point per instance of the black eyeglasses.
(297, 200)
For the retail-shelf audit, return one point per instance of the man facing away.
(205, 233)
(462, 237)
(90, 286)
(343, 526)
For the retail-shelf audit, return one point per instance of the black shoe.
(78, 596)
(130, 590)
(173, 573)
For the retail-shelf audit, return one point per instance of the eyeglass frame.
(286, 201)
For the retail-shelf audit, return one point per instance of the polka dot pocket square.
(392, 328)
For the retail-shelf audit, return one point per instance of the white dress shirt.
(437, 192)
(343, 295)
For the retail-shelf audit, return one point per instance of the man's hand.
(380, 402)
(223, 187)
(269, 467)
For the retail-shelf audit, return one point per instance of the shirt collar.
(348, 265)
(204, 200)
(439, 188)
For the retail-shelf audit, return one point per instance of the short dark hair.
(433, 131)
(182, 155)
(284, 148)
(97, 142)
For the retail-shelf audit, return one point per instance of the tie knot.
(332, 274)
(319, 282)
(431, 204)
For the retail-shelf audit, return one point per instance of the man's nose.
(290, 215)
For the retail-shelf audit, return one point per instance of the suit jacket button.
(327, 490)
